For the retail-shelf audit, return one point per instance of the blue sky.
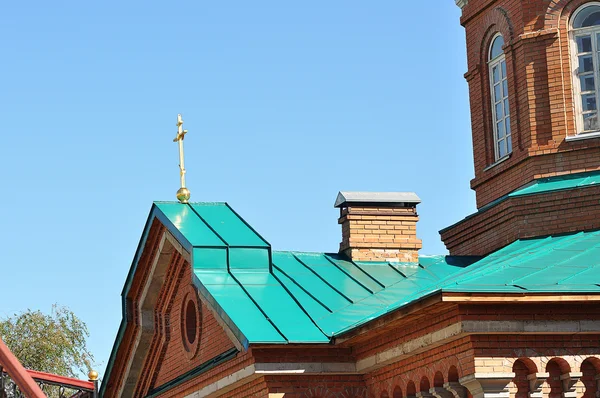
(285, 103)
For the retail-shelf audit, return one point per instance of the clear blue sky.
(285, 103)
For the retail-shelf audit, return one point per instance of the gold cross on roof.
(183, 194)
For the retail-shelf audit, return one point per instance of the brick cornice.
(525, 217)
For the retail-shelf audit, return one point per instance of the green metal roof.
(540, 186)
(292, 297)
(558, 183)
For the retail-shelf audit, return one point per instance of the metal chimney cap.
(392, 199)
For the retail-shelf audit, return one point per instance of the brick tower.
(533, 70)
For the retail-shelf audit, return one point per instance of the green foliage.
(54, 343)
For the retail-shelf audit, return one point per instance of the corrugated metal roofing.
(292, 297)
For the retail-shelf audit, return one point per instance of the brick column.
(535, 384)
(424, 394)
(379, 226)
(569, 380)
(488, 385)
(440, 392)
(456, 389)
(380, 234)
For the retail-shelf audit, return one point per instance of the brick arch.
(531, 366)
(384, 394)
(397, 392)
(522, 368)
(590, 369)
(563, 365)
(378, 389)
(424, 384)
(438, 379)
(411, 389)
(559, 12)
(453, 374)
(446, 367)
(556, 367)
(318, 392)
(496, 21)
(354, 392)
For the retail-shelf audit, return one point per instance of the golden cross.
(183, 194)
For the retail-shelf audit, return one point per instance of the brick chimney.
(379, 226)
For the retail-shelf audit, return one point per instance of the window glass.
(585, 56)
(587, 16)
(499, 97)
(496, 49)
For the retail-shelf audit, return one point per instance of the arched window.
(499, 94)
(585, 37)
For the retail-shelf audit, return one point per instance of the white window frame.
(506, 112)
(574, 58)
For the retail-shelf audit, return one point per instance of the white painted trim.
(582, 136)
(225, 384)
(278, 368)
(497, 162)
(574, 61)
(462, 3)
(497, 62)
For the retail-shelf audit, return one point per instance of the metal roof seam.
(300, 305)
(258, 306)
(555, 264)
(367, 274)
(349, 276)
(212, 302)
(248, 225)
(429, 272)
(302, 288)
(321, 278)
(397, 270)
(476, 270)
(560, 282)
(208, 225)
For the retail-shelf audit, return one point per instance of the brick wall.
(175, 359)
(540, 94)
(525, 217)
(380, 233)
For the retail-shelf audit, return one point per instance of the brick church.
(211, 310)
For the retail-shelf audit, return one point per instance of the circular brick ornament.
(190, 321)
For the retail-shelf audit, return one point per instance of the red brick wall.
(407, 374)
(351, 386)
(215, 374)
(525, 217)
(213, 339)
(541, 100)
(380, 233)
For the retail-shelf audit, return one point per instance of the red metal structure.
(16, 381)
(19, 374)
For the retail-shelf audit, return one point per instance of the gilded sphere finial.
(183, 195)
(93, 375)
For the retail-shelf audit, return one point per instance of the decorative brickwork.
(525, 217)
(540, 93)
(380, 233)
(441, 344)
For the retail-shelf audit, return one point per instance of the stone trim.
(488, 385)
